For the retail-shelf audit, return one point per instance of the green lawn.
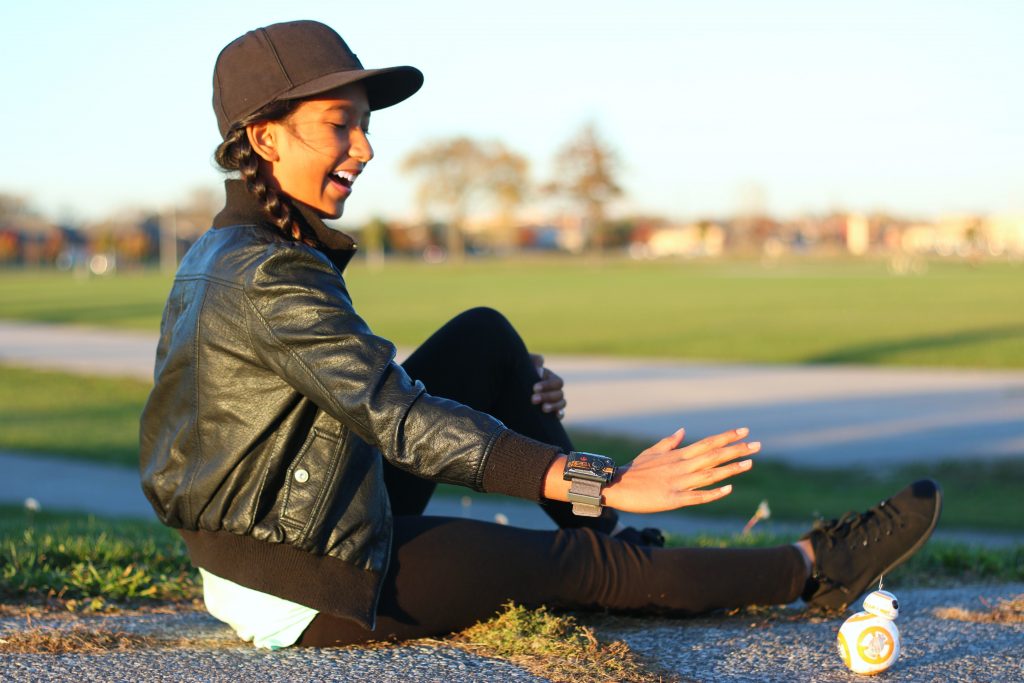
(93, 418)
(96, 564)
(96, 418)
(799, 311)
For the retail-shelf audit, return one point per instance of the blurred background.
(653, 129)
(711, 213)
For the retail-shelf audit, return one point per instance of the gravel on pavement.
(713, 648)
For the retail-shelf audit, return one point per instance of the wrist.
(612, 492)
(555, 487)
(588, 474)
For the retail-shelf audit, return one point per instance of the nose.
(360, 148)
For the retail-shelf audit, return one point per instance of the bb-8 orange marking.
(875, 644)
(844, 650)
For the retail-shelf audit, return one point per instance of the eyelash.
(366, 131)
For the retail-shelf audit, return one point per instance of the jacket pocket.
(309, 475)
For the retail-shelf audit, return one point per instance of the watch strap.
(585, 496)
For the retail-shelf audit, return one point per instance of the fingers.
(548, 392)
(549, 381)
(711, 443)
(712, 475)
(548, 396)
(538, 362)
(556, 407)
(689, 488)
(669, 443)
(722, 455)
(701, 497)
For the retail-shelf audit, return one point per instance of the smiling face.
(315, 153)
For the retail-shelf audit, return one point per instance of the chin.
(331, 211)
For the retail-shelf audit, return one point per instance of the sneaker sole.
(898, 561)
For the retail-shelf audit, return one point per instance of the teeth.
(345, 176)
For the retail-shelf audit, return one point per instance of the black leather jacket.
(272, 406)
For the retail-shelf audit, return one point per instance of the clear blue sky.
(910, 106)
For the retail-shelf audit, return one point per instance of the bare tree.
(586, 172)
(460, 173)
(196, 211)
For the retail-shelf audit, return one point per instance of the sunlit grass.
(796, 311)
(89, 563)
(96, 419)
(96, 564)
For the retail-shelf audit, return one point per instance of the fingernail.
(746, 464)
(726, 489)
(546, 407)
(742, 431)
(535, 398)
(537, 387)
(754, 445)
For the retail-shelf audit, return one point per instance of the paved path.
(808, 415)
(709, 649)
(113, 491)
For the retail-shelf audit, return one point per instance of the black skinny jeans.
(447, 573)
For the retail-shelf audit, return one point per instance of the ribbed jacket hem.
(517, 465)
(323, 583)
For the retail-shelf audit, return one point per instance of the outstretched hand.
(666, 477)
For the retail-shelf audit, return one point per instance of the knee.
(485, 322)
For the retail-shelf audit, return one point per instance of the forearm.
(555, 487)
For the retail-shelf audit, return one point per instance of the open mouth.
(343, 178)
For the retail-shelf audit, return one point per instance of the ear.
(263, 138)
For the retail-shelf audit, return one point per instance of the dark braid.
(235, 153)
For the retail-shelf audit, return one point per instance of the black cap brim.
(384, 87)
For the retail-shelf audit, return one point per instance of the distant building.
(692, 239)
(1004, 234)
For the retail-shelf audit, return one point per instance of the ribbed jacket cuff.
(517, 466)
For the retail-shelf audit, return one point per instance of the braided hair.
(235, 153)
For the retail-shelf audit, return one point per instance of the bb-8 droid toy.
(869, 641)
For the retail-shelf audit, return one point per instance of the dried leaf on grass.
(55, 608)
(1006, 611)
(553, 646)
(56, 636)
(77, 638)
(782, 613)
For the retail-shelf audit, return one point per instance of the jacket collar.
(241, 208)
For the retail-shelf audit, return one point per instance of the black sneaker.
(647, 536)
(853, 552)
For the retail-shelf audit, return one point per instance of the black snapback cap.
(297, 59)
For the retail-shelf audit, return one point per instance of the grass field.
(94, 418)
(800, 311)
(99, 563)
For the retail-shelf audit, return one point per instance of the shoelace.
(859, 525)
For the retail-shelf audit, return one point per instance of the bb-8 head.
(869, 641)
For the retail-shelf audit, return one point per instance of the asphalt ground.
(783, 647)
(822, 415)
(808, 415)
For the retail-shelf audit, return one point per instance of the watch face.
(589, 464)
